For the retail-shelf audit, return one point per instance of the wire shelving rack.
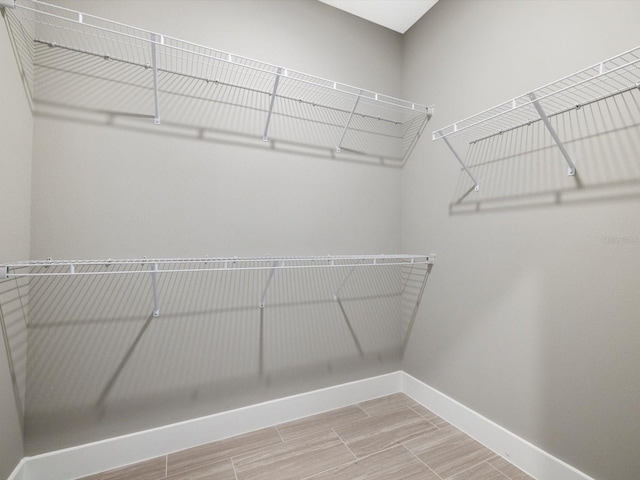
(346, 118)
(603, 80)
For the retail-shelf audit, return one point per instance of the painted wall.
(532, 317)
(110, 184)
(16, 128)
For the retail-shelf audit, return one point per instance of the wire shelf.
(52, 268)
(616, 75)
(350, 118)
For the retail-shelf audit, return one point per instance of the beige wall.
(531, 318)
(116, 186)
(16, 128)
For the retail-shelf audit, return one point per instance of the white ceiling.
(398, 15)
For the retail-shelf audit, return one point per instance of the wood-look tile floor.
(390, 438)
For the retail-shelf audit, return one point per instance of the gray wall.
(16, 128)
(532, 317)
(112, 185)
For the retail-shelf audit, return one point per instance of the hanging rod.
(52, 268)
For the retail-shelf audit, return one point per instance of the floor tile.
(382, 431)
(295, 459)
(216, 471)
(153, 469)
(484, 471)
(510, 470)
(393, 464)
(322, 421)
(430, 416)
(209, 453)
(386, 404)
(449, 451)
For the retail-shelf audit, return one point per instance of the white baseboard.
(115, 452)
(18, 472)
(529, 458)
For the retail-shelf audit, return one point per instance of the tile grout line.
(411, 407)
(474, 466)
(278, 432)
(421, 461)
(344, 443)
(499, 471)
(233, 465)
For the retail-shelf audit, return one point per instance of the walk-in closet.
(309, 239)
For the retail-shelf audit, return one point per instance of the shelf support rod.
(346, 127)
(266, 287)
(154, 67)
(336, 294)
(475, 182)
(154, 285)
(265, 138)
(547, 123)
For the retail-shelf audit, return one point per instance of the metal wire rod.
(265, 138)
(53, 268)
(346, 127)
(464, 166)
(554, 135)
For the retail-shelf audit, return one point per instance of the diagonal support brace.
(265, 137)
(266, 287)
(554, 135)
(346, 127)
(455, 154)
(155, 40)
(154, 285)
(336, 294)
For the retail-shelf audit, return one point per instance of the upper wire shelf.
(610, 77)
(344, 117)
(42, 268)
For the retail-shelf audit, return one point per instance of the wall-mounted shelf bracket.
(8, 3)
(336, 294)
(266, 287)
(554, 135)
(265, 137)
(155, 39)
(346, 127)
(4, 272)
(154, 285)
(473, 179)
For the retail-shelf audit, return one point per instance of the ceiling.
(398, 15)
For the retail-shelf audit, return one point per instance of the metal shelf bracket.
(554, 135)
(155, 39)
(8, 3)
(473, 179)
(154, 284)
(346, 127)
(265, 137)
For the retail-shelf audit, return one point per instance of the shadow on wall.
(213, 101)
(524, 168)
(100, 364)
